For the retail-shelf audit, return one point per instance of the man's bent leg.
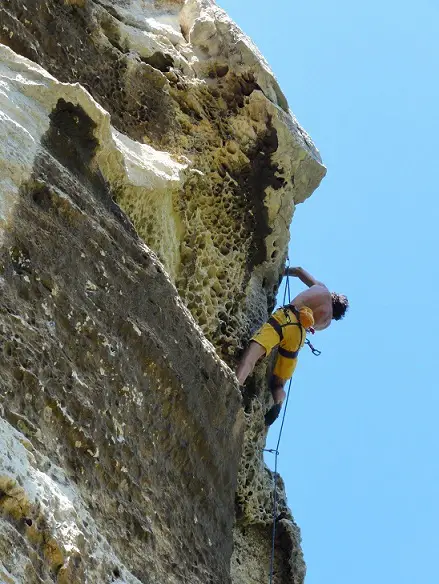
(251, 356)
(277, 389)
(260, 344)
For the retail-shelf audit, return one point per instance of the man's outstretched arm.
(303, 275)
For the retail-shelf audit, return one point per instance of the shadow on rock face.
(71, 140)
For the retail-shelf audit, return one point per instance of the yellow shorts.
(294, 336)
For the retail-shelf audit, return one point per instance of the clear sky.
(360, 450)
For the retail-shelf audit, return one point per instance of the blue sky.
(360, 448)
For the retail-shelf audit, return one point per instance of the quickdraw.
(315, 351)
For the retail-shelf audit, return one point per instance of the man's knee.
(250, 357)
(277, 382)
(256, 350)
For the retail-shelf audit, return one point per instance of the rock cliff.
(149, 170)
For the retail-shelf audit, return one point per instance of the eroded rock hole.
(116, 573)
(161, 61)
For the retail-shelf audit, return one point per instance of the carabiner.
(314, 351)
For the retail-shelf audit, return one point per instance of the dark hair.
(339, 305)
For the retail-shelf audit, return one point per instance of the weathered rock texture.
(148, 165)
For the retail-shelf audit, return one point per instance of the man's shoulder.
(320, 287)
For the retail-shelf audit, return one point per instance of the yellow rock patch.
(80, 3)
(13, 499)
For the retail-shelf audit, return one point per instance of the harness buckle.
(287, 315)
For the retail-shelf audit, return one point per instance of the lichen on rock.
(149, 174)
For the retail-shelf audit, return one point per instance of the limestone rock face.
(181, 77)
(149, 169)
(114, 428)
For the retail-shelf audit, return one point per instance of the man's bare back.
(318, 298)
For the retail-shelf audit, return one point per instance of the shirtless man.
(312, 309)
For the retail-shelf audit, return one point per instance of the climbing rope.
(276, 456)
(275, 451)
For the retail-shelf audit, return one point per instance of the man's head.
(339, 305)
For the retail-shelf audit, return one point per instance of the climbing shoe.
(272, 414)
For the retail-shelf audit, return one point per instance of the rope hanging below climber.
(286, 329)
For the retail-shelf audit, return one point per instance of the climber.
(286, 329)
